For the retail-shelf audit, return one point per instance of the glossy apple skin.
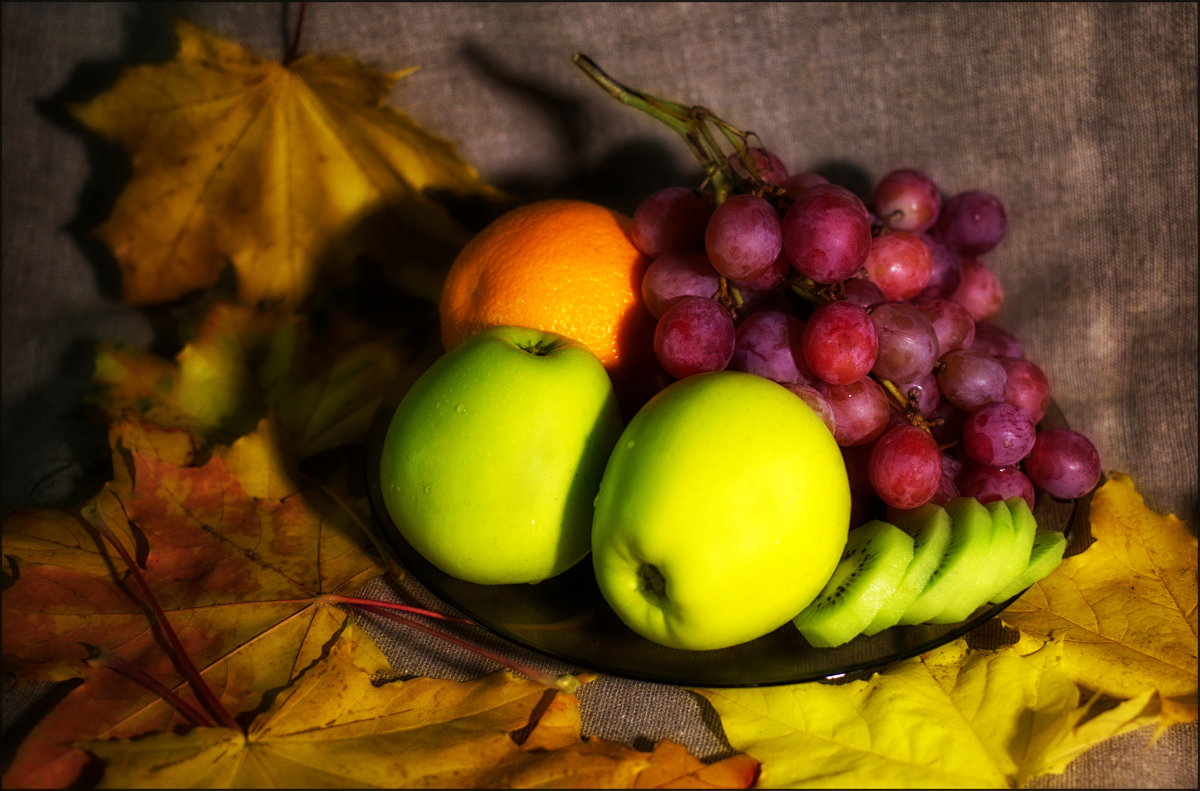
(731, 490)
(493, 458)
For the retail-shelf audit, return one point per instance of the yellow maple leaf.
(246, 363)
(952, 718)
(1125, 607)
(286, 171)
(335, 728)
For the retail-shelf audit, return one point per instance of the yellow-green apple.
(722, 512)
(492, 460)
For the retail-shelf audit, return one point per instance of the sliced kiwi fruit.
(872, 565)
(961, 582)
(1044, 557)
(1023, 527)
(929, 526)
(1010, 545)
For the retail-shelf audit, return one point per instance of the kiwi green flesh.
(1024, 527)
(876, 557)
(1044, 557)
(1010, 547)
(961, 581)
(930, 540)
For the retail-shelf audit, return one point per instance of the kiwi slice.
(929, 525)
(1010, 546)
(872, 565)
(960, 583)
(1044, 557)
(1023, 527)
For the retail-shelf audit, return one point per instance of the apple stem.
(178, 652)
(565, 683)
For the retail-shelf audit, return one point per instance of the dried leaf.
(334, 728)
(242, 579)
(286, 171)
(1126, 606)
(244, 364)
(952, 718)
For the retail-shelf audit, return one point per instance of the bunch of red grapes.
(880, 317)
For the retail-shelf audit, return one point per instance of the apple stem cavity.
(540, 348)
(651, 582)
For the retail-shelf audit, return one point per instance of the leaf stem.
(294, 49)
(187, 668)
(566, 682)
(102, 657)
(333, 597)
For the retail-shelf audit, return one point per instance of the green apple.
(493, 458)
(722, 512)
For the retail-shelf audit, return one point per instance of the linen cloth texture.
(1080, 117)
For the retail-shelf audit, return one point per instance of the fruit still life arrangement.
(761, 443)
(825, 425)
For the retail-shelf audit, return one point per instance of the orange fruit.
(564, 266)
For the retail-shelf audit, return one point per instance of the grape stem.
(693, 124)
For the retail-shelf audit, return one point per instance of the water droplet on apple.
(461, 408)
(630, 444)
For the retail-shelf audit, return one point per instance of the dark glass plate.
(567, 619)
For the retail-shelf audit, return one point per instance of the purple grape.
(995, 340)
(951, 465)
(809, 395)
(979, 291)
(952, 324)
(767, 344)
(970, 379)
(827, 233)
(860, 409)
(768, 279)
(839, 343)
(767, 165)
(669, 220)
(945, 274)
(1064, 464)
(948, 421)
(971, 222)
(922, 392)
(693, 336)
(905, 467)
(673, 276)
(862, 292)
(907, 200)
(1026, 386)
(947, 489)
(798, 183)
(899, 263)
(998, 434)
(908, 346)
(986, 484)
(743, 237)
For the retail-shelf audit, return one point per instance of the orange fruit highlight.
(564, 266)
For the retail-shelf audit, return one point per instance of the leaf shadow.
(148, 38)
(622, 176)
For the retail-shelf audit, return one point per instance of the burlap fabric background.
(1081, 117)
